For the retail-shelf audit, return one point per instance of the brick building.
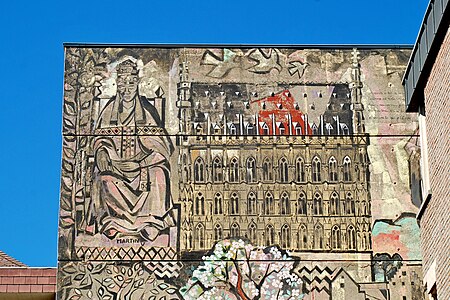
(427, 86)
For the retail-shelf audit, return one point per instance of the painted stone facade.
(187, 171)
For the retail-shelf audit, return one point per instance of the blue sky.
(31, 76)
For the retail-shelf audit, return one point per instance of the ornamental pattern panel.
(237, 173)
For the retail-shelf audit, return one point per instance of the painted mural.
(237, 173)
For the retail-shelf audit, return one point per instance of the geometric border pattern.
(126, 253)
(131, 130)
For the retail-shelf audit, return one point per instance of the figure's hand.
(102, 160)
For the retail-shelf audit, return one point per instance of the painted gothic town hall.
(252, 165)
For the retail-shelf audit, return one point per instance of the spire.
(356, 94)
(184, 97)
(184, 86)
(356, 84)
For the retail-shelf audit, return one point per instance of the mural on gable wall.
(200, 173)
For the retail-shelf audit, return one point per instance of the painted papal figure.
(131, 180)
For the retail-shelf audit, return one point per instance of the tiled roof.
(16, 277)
(8, 261)
(27, 280)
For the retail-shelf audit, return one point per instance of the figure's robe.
(131, 182)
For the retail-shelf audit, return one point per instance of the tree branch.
(239, 288)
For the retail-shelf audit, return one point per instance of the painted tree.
(84, 69)
(385, 266)
(239, 270)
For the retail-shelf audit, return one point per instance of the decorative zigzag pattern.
(126, 253)
(317, 279)
(164, 269)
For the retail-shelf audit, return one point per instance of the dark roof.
(7, 261)
(431, 34)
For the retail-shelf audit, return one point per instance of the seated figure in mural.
(131, 180)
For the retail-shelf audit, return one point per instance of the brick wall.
(435, 222)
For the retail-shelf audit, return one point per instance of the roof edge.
(7, 261)
(237, 45)
(429, 38)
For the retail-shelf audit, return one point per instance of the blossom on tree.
(239, 270)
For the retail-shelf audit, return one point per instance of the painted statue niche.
(130, 191)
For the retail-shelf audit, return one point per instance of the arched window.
(346, 166)
(285, 236)
(267, 169)
(303, 237)
(301, 208)
(252, 204)
(185, 167)
(233, 130)
(315, 130)
(351, 240)
(364, 238)
(200, 235)
(199, 170)
(234, 170)
(345, 130)
(350, 204)
(200, 205)
(334, 204)
(364, 210)
(269, 205)
(252, 233)
(317, 204)
(282, 129)
(329, 128)
(283, 169)
(234, 230)
(185, 240)
(218, 232)
(316, 167)
(285, 207)
(251, 169)
(199, 129)
(300, 169)
(270, 235)
(217, 170)
(250, 129)
(318, 236)
(234, 201)
(217, 129)
(298, 130)
(218, 204)
(265, 129)
(362, 159)
(332, 167)
(335, 237)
